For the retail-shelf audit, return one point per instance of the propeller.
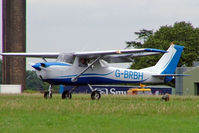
(37, 66)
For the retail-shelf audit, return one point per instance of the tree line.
(180, 33)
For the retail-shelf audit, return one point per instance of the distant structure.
(191, 83)
(14, 40)
(188, 85)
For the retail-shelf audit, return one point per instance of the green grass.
(111, 114)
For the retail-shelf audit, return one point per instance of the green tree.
(143, 35)
(181, 33)
(35, 83)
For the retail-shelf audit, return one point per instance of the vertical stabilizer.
(169, 61)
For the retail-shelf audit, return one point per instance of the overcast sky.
(81, 25)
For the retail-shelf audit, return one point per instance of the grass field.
(30, 113)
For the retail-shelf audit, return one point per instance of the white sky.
(82, 25)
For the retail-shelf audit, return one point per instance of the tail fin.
(169, 61)
(167, 64)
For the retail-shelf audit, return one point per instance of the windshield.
(66, 57)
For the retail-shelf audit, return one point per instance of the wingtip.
(155, 50)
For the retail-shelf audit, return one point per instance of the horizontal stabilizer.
(169, 75)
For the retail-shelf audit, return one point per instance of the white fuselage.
(61, 74)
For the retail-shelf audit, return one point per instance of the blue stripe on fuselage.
(48, 64)
(88, 74)
(56, 64)
(37, 66)
(89, 80)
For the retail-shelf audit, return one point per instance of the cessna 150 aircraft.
(80, 68)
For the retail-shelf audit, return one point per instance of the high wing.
(111, 56)
(119, 56)
(113, 52)
(41, 55)
(124, 58)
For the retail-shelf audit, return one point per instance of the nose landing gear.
(95, 95)
(48, 94)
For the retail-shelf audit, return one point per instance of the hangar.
(188, 85)
(191, 83)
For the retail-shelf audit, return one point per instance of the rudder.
(169, 61)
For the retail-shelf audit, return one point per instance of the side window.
(83, 62)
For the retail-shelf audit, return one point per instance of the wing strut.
(44, 59)
(90, 65)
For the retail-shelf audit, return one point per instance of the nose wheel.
(48, 94)
(95, 95)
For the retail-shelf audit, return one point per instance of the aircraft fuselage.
(63, 73)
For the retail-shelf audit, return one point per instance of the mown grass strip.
(32, 113)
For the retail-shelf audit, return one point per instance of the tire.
(47, 96)
(165, 97)
(95, 95)
(66, 95)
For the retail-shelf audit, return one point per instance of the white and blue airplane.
(91, 68)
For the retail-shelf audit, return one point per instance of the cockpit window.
(66, 57)
(83, 62)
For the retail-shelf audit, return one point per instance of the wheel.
(66, 95)
(46, 95)
(165, 97)
(95, 95)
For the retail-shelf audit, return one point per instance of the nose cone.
(37, 66)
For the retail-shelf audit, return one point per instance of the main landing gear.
(68, 94)
(95, 95)
(48, 94)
